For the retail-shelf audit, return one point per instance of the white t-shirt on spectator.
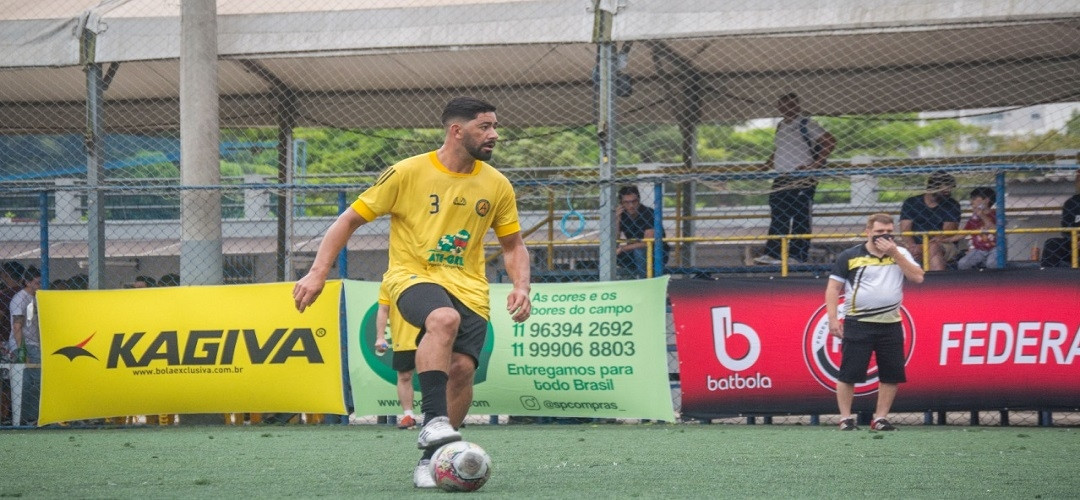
(791, 149)
(22, 304)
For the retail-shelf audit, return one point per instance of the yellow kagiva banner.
(206, 349)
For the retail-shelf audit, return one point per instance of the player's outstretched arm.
(311, 285)
(516, 258)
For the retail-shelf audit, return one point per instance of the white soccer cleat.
(436, 433)
(422, 476)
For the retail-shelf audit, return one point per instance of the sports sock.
(409, 413)
(433, 387)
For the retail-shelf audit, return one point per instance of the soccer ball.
(460, 466)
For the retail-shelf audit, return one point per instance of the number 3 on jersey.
(434, 204)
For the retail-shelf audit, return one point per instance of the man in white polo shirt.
(870, 277)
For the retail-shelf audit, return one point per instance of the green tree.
(1069, 138)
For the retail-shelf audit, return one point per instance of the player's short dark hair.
(625, 190)
(940, 180)
(985, 192)
(465, 108)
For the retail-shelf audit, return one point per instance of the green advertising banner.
(589, 350)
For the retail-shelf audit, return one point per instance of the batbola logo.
(821, 351)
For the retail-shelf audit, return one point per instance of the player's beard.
(477, 150)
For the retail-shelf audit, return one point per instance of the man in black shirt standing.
(635, 222)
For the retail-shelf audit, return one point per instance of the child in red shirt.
(983, 217)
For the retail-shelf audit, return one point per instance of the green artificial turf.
(547, 461)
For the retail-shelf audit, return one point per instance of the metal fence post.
(658, 228)
(1002, 243)
(43, 221)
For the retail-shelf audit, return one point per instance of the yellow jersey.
(438, 220)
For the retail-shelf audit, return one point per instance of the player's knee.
(462, 368)
(443, 320)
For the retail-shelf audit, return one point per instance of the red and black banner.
(1000, 339)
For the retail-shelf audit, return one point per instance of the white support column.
(200, 218)
(256, 200)
(66, 202)
(863, 186)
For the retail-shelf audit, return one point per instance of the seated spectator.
(79, 282)
(142, 282)
(171, 279)
(935, 210)
(635, 222)
(980, 252)
(1057, 252)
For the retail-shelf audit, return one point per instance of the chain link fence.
(684, 100)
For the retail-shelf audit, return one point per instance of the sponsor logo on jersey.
(450, 251)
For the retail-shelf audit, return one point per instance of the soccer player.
(441, 204)
(871, 277)
(404, 361)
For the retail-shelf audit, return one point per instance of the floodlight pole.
(200, 218)
(94, 141)
(605, 129)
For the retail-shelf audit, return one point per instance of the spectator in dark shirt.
(1057, 252)
(635, 222)
(935, 210)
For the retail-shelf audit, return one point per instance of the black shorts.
(883, 340)
(417, 302)
(403, 361)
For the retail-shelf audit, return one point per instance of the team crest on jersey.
(483, 207)
(450, 250)
(460, 201)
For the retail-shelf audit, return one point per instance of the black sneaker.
(880, 424)
(848, 424)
